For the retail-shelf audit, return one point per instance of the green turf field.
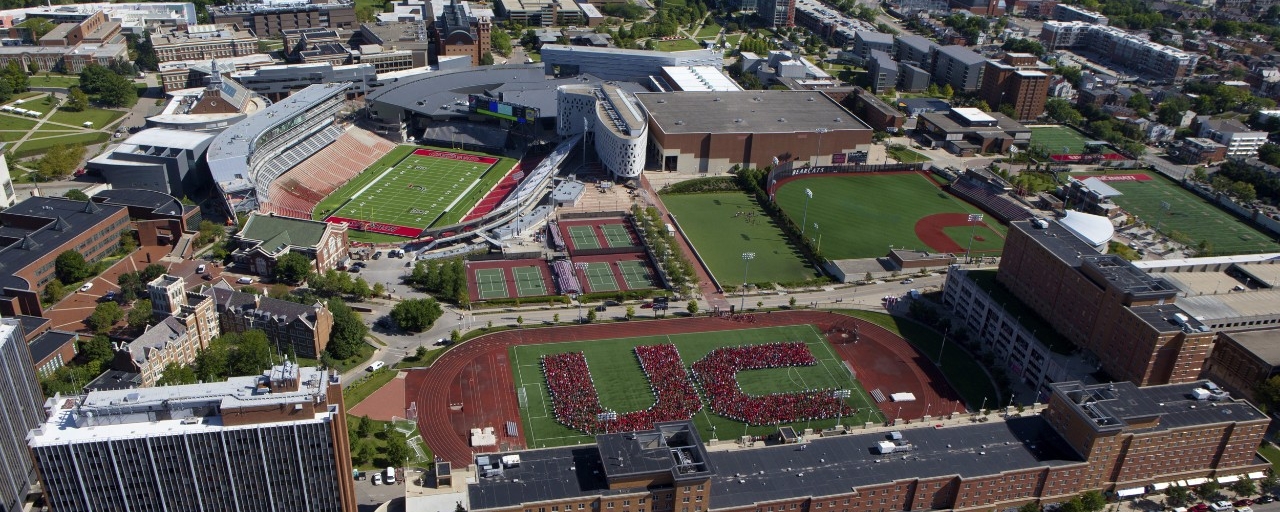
(529, 282)
(622, 386)
(600, 277)
(492, 283)
(1059, 139)
(721, 236)
(416, 191)
(584, 237)
(1190, 215)
(861, 216)
(636, 274)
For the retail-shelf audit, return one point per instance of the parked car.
(377, 365)
(1242, 502)
(86, 287)
(908, 281)
(390, 476)
(377, 255)
(377, 478)
(1220, 506)
(1199, 507)
(109, 296)
(244, 280)
(206, 277)
(1265, 498)
(647, 305)
(200, 269)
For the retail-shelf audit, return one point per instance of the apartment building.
(19, 413)
(1018, 80)
(883, 71)
(272, 18)
(203, 42)
(300, 329)
(1064, 12)
(1150, 60)
(959, 67)
(1238, 138)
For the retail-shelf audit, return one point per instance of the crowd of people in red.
(718, 375)
(577, 405)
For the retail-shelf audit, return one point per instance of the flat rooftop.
(1113, 405)
(747, 112)
(1058, 240)
(22, 246)
(1265, 343)
(1268, 275)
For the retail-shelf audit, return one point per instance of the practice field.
(426, 188)
(1059, 139)
(1188, 215)
(623, 387)
(724, 225)
(862, 215)
(508, 279)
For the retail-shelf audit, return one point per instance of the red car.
(80, 171)
(1242, 502)
(1199, 507)
(647, 305)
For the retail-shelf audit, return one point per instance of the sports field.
(622, 386)
(861, 216)
(427, 187)
(724, 225)
(599, 277)
(1189, 215)
(492, 282)
(1058, 139)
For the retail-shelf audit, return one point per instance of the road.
(396, 345)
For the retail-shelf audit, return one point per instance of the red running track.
(471, 385)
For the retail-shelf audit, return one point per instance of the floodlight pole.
(808, 195)
(944, 346)
(974, 219)
(746, 264)
(818, 155)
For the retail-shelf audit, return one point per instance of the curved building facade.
(616, 124)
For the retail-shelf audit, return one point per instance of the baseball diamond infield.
(933, 231)
(471, 385)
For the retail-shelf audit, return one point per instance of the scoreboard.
(501, 110)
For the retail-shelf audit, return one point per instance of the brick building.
(159, 218)
(189, 323)
(1019, 80)
(1111, 437)
(462, 30)
(1242, 360)
(265, 238)
(203, 42)
(1129, 320)
(293, 328)
(272, 19)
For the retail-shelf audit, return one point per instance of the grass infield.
(622, 386)
(861, 216)
(1190, 215)
(721, 230)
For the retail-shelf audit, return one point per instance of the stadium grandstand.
(991, 193)
(297, 192)
(248, 157)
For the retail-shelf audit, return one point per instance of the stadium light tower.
(808, 195)
(817, 157)
(746, 264)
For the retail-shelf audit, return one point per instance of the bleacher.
(320, 168)
(566, 279)
(557, 240)
(1000, 205)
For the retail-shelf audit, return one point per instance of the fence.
(783, 172)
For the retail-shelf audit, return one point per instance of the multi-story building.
(37, 230)
(293, 328)
(7, 196)
(618, 128)
(912, 78)
(198, 73)
(1238, 138)
(1018, 80)
(94, 29)
(168, 341)
(1196, 150)
(191, 322)
(271, 18)
(980, 7)
(1128, 319)
(278, 82)
(828, 23)
(1149, 59)
(134, 18)
(1116, 438)
(1064, 12)
(394, 46)
(203, 42)
(958, 67)
(546, 13)
(621, 64)
(276, 441)
(914, 48)
(777, 13)
(883, 71)
(1242, 360)
(462, 30)
(19, 413)
(865, 41)
(266, 238)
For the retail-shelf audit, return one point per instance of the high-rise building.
(7, 196)
(780, 13)
(461, 29)
(276, 441)
(1019, 80)
(958, 67)
(19, 413)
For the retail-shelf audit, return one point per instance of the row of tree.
(446, 279)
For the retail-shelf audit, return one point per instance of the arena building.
(710, 132)
(246, 158)
(619, 63)
(615, 125)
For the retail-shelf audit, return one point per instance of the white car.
(244, 280)
(377, 365)
(390, 477)
(377, 478)
(86, 287)
(200, 269)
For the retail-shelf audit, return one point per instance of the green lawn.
(375, 444)
(37, 103)
(622, 386)
(1272, 454)
(711, 29)
(34, 146)
(677, 45)
(54, 80)
(1190, 215)
(962, 371)
(12, 122)
(721, 236)
(100, 117)
(1059, 139)
(906, 156)
(861, 216)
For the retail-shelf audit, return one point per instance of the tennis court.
(636, 274)
(616, 235)
(599, 277)
(583, 237)
(491, 283)
(529, 282)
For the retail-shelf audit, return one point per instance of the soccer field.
(1190, 215)
(426, 188)
(623, 387)
(860, 216)
(723, 225)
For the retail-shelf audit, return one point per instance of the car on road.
(109, 296)
(647, 305)
(354, 269)
(244, 280)
(377, 365)
(86, 287)
(206, 277)
(1265, 498)
(908, 281)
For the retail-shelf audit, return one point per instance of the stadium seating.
(565, 277)
(1002, 206)
(315, 168)
(557, 239)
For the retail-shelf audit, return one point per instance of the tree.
(97, 348)
(397, 448)
(692, 307)
(1267, 483)
(1139, 103)
(455, 336)
(1208, 489)
(211, 364)
(37, 26)
(501, 42)
(360, 289)
(1093, 501)
(486, 59)
(278, 291)
(1060, 110)
(76, 194)
(1243, 191)
(1170, 112)
(591, 315)
(128, 243)
(631, 312)
(140, 315)
(947, 91)
(348, 331)
(1177, 495)
(379, 289)
(104, 316)
(251, 355)
(1244, 487)
(366, 14)
(1072, 505)
(1029, 507)
(416, 315)
(175, 374)
(292, 268)
(54, 291)
(364, 427)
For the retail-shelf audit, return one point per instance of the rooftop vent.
(739, 120)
